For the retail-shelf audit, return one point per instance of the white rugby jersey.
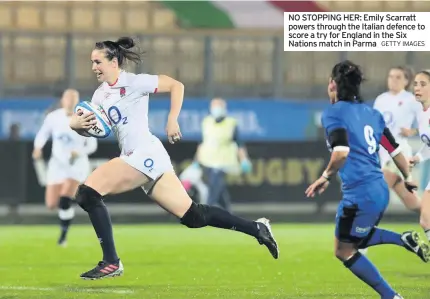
(424, 131)
(126, 104)
(64, 139)
(399, 111)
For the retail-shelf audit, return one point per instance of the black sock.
(101, 221)
(64, 224)
(65, 213)
(102, 224)
(220, 218)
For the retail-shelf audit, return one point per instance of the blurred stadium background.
(228, 49)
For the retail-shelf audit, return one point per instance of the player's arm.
(42, 137)
(167, 84)
(422, 155)
(410, 131)
(338, 141)
(161, 84)
(337, 138)
(176, 89)
(389, 143)
(417, 109)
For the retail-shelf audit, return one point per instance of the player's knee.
(88, 198)
(196, 216)
(338, 253)
(343, 254)
(345, 251)
(65, 203)
(350, 261)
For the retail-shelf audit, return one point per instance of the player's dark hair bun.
(126, 42)
(121, 50)
(348, 77)
(345, 69)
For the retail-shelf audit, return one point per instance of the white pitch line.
(75, 289)
(14, 288)
(89, 290)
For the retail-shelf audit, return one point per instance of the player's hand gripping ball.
(172, 130)
(92, 119)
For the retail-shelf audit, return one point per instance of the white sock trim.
(66, 214)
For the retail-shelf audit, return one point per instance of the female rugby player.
(400, 109)
(144, 162)
(354, 132)
(69, 165)
(422, 95)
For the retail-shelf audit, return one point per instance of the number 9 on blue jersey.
(370, 139)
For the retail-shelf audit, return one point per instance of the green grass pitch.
(173, 262)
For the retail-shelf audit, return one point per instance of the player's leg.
(425, 212)
(55, 196)
(106, 180)
(52, 195)
(55, 177)
(363, 269)
(410, 200)
(394, 180)
(410, 240)
(169, 193)
(75, 174)
(66, 212)
(351, 227)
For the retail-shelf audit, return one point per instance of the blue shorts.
(360, 211)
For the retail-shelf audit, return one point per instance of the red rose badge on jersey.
(122, 92)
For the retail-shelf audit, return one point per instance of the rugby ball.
(103, 126)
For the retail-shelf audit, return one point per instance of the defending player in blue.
(354, 132)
